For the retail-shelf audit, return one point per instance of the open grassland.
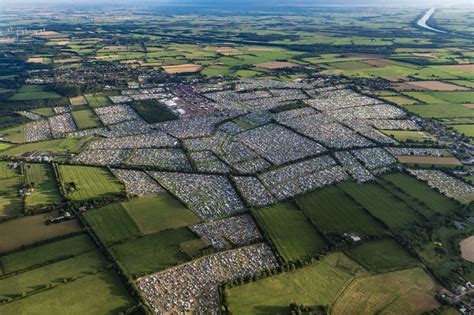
(79, 186)
(43, 254)
(86, 119)
(467, 130)
(11, 203)
(6, 172)
(97, 294)
(33, 229)
(419, 190)
(153, 252)
(381, 204)
(318, 284)
(153, 111)
(97, 100)
(14, 134)
(67, 145)
(445, 110)
(454, 97)
(408, 291)
(408, 135)
(155, 213)
(41, 177)
(332, 211)
(382, 255)
(54, 273)
(112, 223)
(33, 92)
(44, 111)
(290, 231)
(4, 146)
(400, 100)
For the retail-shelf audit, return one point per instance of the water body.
(425, 18)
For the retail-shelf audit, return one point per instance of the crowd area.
(448, 185)
(253, 191)
(61, 125)
(229, 232)
(110, 157)
(353, 167)
(114, 114)
(37, 131)
(154, 139)
(137, 183)
(193, 287)
(172, 159)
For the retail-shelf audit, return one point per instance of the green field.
(408, 292)
(43, 254)
(467, 130)
(78, 184)
(67, 145)
(155, 213)
(153, 111)
(14, 134)
(7, 172)
(4, 146)
(408, 135)
(318, 284)
(332, 211)
(382, 255)
(41, 177)
(440, 110)
(290, 231)
(96, 100)
(153, 252)
(45, 111)
(422, 192)
(86, 119)
(97, 294)
(112, 223)
(455, 97)
(11, 203)
(400, 100)
(33, 92)
(382, 205)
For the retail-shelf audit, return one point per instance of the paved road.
(422, 22)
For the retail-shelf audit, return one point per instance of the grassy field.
(419, 190)
(454, 97)
(400, 100)
(97, 294)
(112, 223)
(291, 232)
(86, 119)
(155, 213)
(318, 284)
(467, 130)
(33, 92)
(7, 172)
(44, 111)
(334, 212)
(41, 177)
(50, 274)
(408, 135)
(4, 146)
(97, 100)
(381, 204)
(11, 203)
(153, 111)
(79, 186)
(14, 134)
(156, 251)
(67, 145)
(382, 255)
(408, 291)
(42, 254)
(445, 110)
(33, 230)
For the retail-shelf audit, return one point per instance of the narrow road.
(425, 18)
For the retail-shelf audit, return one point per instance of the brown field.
(376, 62)
(467, 248)
(184, 68)
(78, 100)
(411, 159)
(435, 86)
(31, 229)
(260, 49)
(470, 106)
(396, 79)
(277, 65)
(405, 86)
(7, 40)
(35, 60)
(466, 68)
(426, 55)
(48, 34)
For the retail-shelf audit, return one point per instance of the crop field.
(435, 86)
(41, 177)
(44, 111)
(431, 160)
(408, 135)
(318, 284)
(455, 97)
(78, 100)
(381, 204)
(424, 97)
(419, 190)
(467, 130)
(291, 232)
(79, 186)
(14, 134)
(96, 294)
(33, 230)
(155, 213)
(30, 281)
(400, 292)
(11, 203)
(112, 223)
(6, 172)
(67, 145)
(184, 68)
(381, 255)
(332, 211)
(33, 92)
(86, 119)
(440, 110)
(43, 254)
(97, 100)
(156, 251)
(400, 100)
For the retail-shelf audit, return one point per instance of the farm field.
(76, 181)
(42, 178)
(155, 213)
(407, 291)
(45, 111)
(290, 231)
(97, 100)
(14, 134)
(96, 294)
(6, 172)
(33, 92)
(408, 135)
(332, 211)
(112, 223)
(429, 160)
(157, 251)
(34, 230)
(419, 190)
(86, 119)
(467, 130)
(381, 255)
(436, 111)
(381, 204)
(400, 100)
(67, 145)
(317, 284)
(54, 251)
(11, 203)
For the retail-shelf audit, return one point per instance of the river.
(422, 22)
